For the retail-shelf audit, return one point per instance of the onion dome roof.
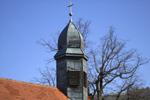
(70, 37)
(70, 42)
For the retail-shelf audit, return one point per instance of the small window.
(85, 79)
(74, 78)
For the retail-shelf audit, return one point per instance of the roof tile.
(16, 90)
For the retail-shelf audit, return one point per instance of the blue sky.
(23, 22)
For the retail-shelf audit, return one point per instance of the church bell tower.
(71, 63)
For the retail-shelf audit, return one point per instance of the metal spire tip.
(70, 14)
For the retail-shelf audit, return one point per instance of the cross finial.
(70, 14)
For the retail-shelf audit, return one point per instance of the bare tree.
(84, 30)
(109, 62)
(48, 77)
(138, 93)
(129, 83)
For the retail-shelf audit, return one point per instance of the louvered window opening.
(74, 78)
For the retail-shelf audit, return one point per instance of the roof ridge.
(26, 82)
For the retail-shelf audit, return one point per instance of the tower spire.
(71, 63)
(70, 14)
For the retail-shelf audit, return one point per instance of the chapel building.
(71, 73)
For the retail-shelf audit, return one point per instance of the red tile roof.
(15, 90)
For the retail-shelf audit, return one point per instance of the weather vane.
(70, 14)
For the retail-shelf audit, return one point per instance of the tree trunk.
(98, 92)
(101, 84)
